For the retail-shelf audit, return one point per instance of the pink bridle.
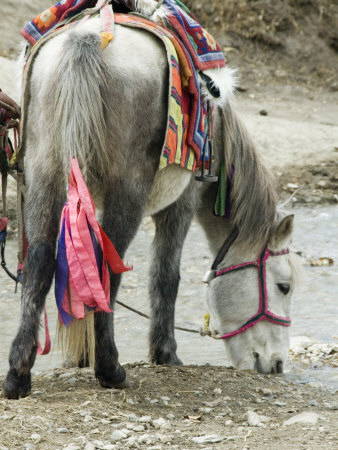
(263, 312)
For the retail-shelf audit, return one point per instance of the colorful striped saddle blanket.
(189, 47)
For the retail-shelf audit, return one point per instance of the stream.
(315, 307)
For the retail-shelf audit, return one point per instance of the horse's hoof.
(16, 386)
(161, 358)
(118, 381)
(123, 385)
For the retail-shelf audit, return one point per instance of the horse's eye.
(284, 287)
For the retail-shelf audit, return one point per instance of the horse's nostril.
(279, 366)
(255, 354)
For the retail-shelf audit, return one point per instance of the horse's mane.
(253, 196)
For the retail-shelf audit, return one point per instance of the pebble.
(130, 442)
(256, 420)
(207, 438)
(62, 430)
(144, 419)
(218, 391)
(332, 406)
(72, 446)
(36, 438)
(138, 428)
(278, 403)
(72, 380)
(146, 439)
(37, 393)
(304, 417)
(118, 435)
(313, 402)
(214, 403)
(161, 423)
(65, 375)
(133, 418)
(89, 446)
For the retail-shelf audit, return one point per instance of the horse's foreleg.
(172, 225)
(121, 219)
(42, 211)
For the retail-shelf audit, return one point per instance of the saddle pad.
(187, 115)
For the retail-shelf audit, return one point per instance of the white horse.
(108, 109)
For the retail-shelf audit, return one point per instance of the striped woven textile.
(44, 22)
(187, 115)
(202, 47)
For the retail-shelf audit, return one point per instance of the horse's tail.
(79, 117)
(80, 109)
(253, 196)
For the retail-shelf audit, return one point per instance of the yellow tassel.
(206, 322)
(105, 39)
(12, 161)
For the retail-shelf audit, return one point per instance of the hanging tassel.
(82, 282)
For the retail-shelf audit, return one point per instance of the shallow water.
(315, 311)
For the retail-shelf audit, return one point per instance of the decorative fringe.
(82, 283)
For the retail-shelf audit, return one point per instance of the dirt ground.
(170, 407)
(287, 55)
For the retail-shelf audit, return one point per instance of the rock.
(98, 444)
(313, 402)
(133, 418)
(333, 406)
(62, 430)
(66, 375)
(72, 446)
(89, 446)
(138, 428)
(72, 380)
(165, 439)
(214, 403)
(161, 423)
(304, 417)
(131, 442)
(255, 420)
(278, 403)
(118, 435)
(37, 393)
(146, 439)
(267, 392)
(36, 438)
(26, 447)
(208, 438)
(218, 391)
(145, 419)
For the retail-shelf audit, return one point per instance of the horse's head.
(250, 297)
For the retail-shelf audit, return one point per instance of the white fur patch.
(145, 7)
(225, 80)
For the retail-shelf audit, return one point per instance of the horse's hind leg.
(42, 212)
(172, 225)
(121, 219)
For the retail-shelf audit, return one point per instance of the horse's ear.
(283, 231)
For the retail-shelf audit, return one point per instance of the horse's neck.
(216, 228)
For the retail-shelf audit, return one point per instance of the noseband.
(263, 312)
